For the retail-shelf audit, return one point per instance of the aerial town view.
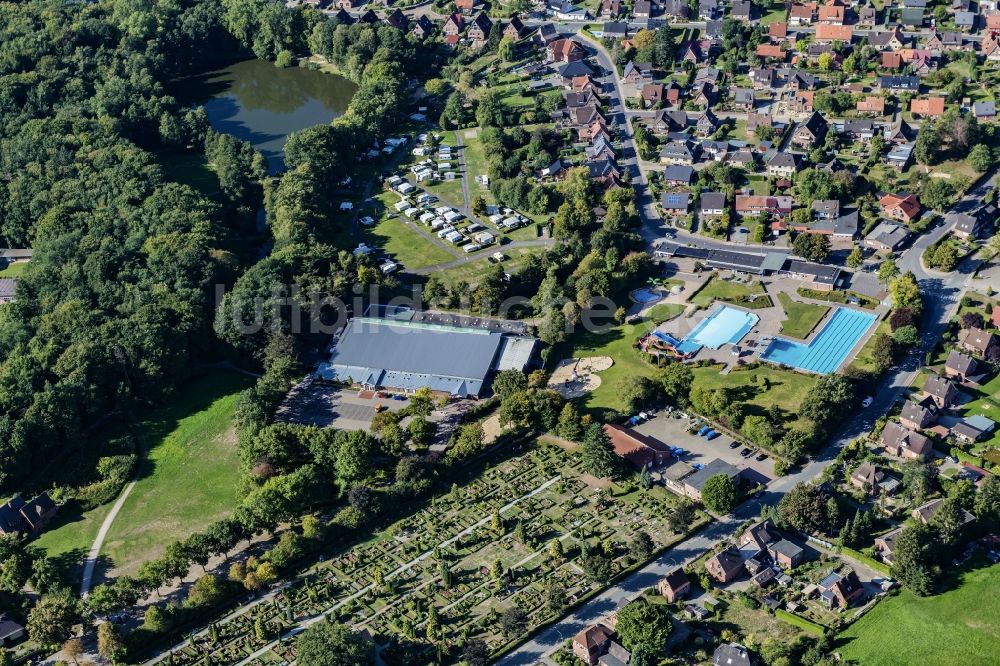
(515, 332)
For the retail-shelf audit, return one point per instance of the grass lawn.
(189, 169)
(838, 296)
(190, 475)
(961, 626)
(800, 622)
(801, 317)
(449, 191)
(13, 270)
(472, 270)
(774, 386)
(987, 403)
(864, 359)
(407, 245)
(757, 622)
(737, 293)
(775, 14)
(664, 312)
(69, 537)
(616, 343)
(475, 164)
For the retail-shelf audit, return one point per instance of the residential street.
(941, 296)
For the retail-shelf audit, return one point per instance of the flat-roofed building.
(459, 361)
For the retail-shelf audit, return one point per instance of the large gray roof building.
(407, 355)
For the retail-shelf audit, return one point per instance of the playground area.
(576, 377)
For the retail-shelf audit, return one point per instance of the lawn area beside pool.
(746, 295)
(405, 244)
(801, 318)
(865, 357)
(616, 343)
(961, 626)
(190, 475)
(662, 312)
(774, 386)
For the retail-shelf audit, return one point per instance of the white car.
(867, 402)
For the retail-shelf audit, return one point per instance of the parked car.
(761, 456)
(734, 445)
(711, 434)
(745, 452)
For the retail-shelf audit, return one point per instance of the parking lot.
(673, 432)
(328, 406)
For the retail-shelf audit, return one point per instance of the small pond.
(260, 103)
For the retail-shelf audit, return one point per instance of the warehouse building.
(379, 353)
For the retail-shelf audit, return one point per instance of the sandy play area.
(575, 377)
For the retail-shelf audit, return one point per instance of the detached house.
(980, 343)
(422, 27)
(800, 15)
(479, 29)
(610, 9)
(782, 165)
(932, 107)
(591, 643)
(961, 367)
(869, 478)
(940, 390)
(893, 39)
(886, 543)
(832, 13)
(872, 105)
(635, 448)
(725, 565)
(902, 207)
(904, 443)
(811, 132)
(834, 33)
(743, 99)
(712, 204)
(754, 206)
(565, 50)
(514, 29)
(454, 25)
(674, 586)
(18, 518)
(840, 591)
(652, 94)
(918, 415)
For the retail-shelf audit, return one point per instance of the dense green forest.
(117, 305)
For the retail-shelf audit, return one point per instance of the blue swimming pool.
(646, 296)
(725, 326)
(828, 349)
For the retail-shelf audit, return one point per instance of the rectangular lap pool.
(828, 348)
(725, 326)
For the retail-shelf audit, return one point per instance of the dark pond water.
(260, 103)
